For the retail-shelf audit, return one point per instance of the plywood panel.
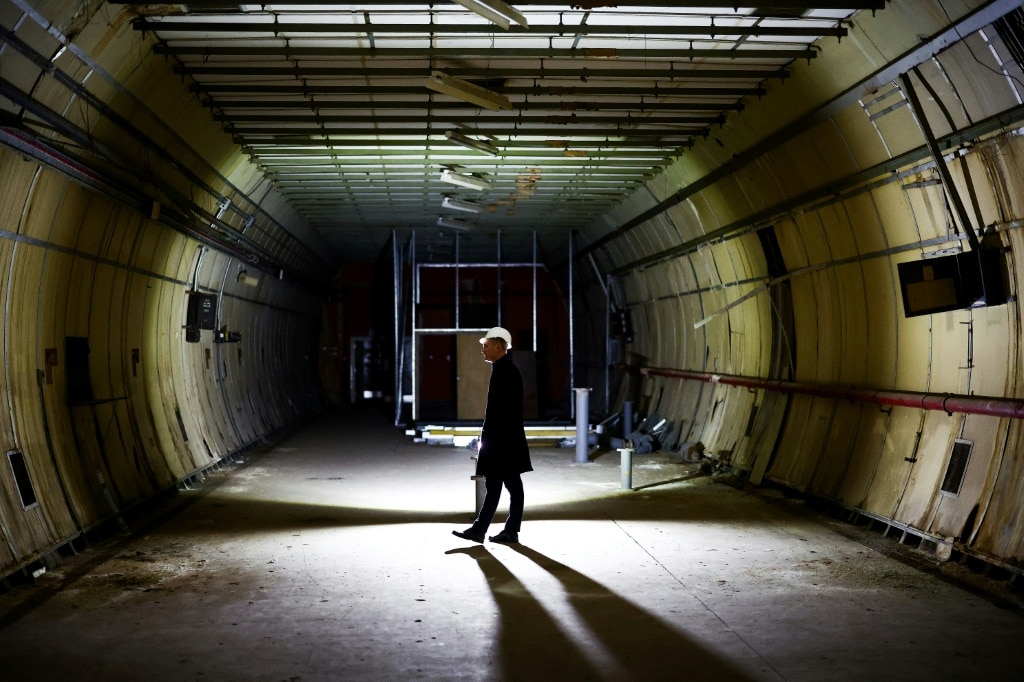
(473, 375)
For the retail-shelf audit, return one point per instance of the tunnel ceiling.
(356, 111)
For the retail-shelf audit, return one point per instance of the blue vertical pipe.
(582, 425)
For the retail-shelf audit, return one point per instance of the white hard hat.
(498, 333)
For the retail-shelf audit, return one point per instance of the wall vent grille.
(21, 478)
(957, 467)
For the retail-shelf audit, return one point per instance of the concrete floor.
(330, 557)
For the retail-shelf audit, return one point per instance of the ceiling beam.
(314, 89)
(173, 25)
(218, 5)
(527, 52)
(314, 108)
(674, 71)
(283, 147)
(258, 139)
(512, 121)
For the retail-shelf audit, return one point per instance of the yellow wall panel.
(894, 216)
(996, 531)
(883, 313)
(863, 140)
(816, 429)
(855, 352)
(74, 221)
(16, 177)
(864, 457)
(793, 252)
(43, 204)
(806, 329)
(949, 348)
(892, 469)
(785, 465)
(837, 448)
(898, 127)
(918, 503)
(827, 313)
(931, 216)
(994, 349)
(986, 434)
(865, 228)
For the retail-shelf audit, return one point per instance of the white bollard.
(480, 491)
(626, 473)
(582, 425)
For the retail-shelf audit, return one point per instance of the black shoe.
(506, 537)
(469, 534)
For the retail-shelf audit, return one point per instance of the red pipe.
(946, 402)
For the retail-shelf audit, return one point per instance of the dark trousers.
(492, 494)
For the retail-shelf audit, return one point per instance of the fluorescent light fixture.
(495, 11)
(470, 181)
(466, 91)
(455, 224)
(459, 205)
(471, 143)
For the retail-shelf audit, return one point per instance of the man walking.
(503, 454)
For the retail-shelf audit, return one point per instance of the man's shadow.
(533, 645)
(645, 646)
(530, 644)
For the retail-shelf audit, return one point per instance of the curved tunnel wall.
(771, 250)
(107, 402)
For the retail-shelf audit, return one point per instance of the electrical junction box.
(972, 279)
(202, 311)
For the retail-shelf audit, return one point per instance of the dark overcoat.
(503, 448)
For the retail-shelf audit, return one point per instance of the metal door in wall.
(472, 375)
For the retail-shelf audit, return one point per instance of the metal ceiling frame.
(330, 99)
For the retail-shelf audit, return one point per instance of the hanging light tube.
(495, 11)
(469, 181)
(459, 205)
(466, 91)
(471, 143)
(454, 224)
